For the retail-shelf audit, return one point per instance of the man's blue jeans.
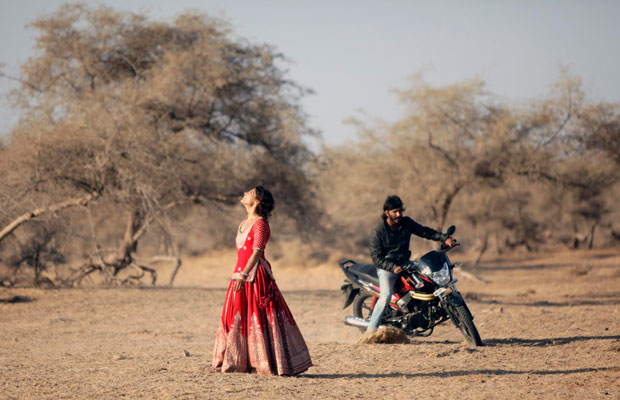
(386, 284)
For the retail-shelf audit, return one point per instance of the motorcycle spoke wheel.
(466, 325)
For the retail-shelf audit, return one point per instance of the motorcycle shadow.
(417, 340)
(490, 300)
(544, 342)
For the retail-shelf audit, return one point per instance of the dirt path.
(551, 327)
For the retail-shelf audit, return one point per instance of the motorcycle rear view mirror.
(451, 230)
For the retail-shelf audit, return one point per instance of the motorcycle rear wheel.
(466, 324)
(362, 307)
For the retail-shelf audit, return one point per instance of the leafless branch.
(445, 154)
(80, 201)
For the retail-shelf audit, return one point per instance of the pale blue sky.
(352, 52)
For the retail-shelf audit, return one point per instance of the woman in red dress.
(257, 332)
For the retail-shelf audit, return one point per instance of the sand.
(550, 324)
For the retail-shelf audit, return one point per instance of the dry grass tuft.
(385, 334)
(581, 270)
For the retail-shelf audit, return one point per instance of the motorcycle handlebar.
(449, 232)
(443, 247)
(410, 266)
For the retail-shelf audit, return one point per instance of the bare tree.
(149, 116)
(512, 176)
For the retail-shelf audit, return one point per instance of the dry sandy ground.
(551, 326)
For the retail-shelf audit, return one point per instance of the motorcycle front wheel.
(466, 324)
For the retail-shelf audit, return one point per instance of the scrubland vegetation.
(138, 137)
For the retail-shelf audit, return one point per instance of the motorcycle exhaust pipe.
(354, 321)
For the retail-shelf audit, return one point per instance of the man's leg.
(386, 284)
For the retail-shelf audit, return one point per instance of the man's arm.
(425, 231)
(377, 252)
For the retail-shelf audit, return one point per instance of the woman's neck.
(252, 213)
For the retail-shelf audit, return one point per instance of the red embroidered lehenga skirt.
(257, 331)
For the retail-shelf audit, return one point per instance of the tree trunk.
(592, 230)
(130, 243)
(445, 207)
(483, 248)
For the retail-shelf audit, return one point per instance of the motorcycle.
(425, 295)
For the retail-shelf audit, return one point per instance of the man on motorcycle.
(389, 249)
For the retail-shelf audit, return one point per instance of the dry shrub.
(385, 334)
(581, 270)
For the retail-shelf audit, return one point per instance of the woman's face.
(249, 197)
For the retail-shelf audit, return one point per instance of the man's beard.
(395, 221)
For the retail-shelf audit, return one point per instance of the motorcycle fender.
(349, 295)
(448, 302)
(454, 300)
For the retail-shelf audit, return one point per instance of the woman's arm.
(252, 261)
(251, 264)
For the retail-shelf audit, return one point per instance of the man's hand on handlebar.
(451, 242)
(407, 267)
(398, 270)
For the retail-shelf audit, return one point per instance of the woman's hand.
(238, 284)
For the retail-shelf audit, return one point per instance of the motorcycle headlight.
(442, 277)
(424, 269)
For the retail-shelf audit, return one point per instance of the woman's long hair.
(266, 203)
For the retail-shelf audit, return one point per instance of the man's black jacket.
(390, 248)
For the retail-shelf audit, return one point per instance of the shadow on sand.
(515, 265)
(17, 299)
(545, 342)
(449, 374)
(610, 299)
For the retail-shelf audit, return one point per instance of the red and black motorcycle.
(425, 295)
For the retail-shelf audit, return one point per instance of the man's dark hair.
(266, 203)
(390, 203)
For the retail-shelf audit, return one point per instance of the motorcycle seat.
(367, 272)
